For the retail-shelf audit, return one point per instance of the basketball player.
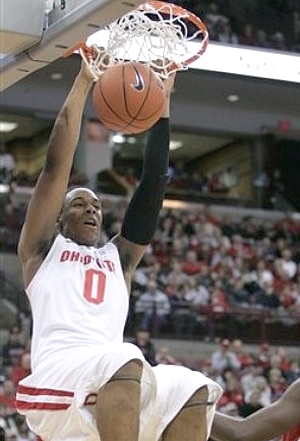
(280, 418)
(86, 383)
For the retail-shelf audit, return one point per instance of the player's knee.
(199, 398)
(201, 394)
(131, 371)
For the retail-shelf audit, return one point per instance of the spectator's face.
(237, 346)
(295, 366)
(152, 286)
(8, 388)
(286, 254)
(261, 265)
(14, 336)
(191, 256)
(25, 361)
(142, 337)
(261, 385)
(275, 361)
(164, 351)
(275, 375)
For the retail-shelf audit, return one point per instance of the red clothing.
(8, 401)
(245, 360)
(18, 373)
(192, 267)
(210, 218)
(8, 404)
(241, 250)
(292, 435)
(231, 397)
(219, 301)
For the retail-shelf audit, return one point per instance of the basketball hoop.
(165, 36)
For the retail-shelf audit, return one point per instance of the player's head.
(81, 216)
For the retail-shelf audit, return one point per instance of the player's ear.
(59, 224)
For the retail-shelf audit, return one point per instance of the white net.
(160, 35)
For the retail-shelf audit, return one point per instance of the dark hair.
(143, 329)
(2, 434)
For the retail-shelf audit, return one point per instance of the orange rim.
(80, 45)
(193, 18)
(164, 8)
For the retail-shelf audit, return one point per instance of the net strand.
(154, 35)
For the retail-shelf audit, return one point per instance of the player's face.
(81, 217)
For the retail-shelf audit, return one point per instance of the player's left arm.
(141, 216)
(270, 422)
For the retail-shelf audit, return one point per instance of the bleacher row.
(271, 25)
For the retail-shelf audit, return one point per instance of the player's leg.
(118, 404)
(191, 422)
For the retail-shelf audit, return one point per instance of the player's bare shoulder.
(289, 401)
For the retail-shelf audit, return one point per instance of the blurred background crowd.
(269, 24)
(252, 376)
(224, 280)
(227, 278)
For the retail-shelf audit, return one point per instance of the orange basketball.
(129, 97)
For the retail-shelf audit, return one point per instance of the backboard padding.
(71, 25)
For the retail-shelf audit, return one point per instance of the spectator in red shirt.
(280, 418)
(191, 264)
(264, 355)
(21, 371)
(232, 389)
(243, 356)
(239, 248)
(218, 299)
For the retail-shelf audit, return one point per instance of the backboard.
(54, 31)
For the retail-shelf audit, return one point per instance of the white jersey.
(73, 297)
(78, 346)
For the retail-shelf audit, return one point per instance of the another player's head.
(81, 216)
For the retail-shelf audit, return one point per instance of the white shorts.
(175, 385)
(58, 399)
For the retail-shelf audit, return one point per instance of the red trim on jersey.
(40, 391)
(26, 405)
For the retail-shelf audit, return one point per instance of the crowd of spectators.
(271, 25)
(203, 270)
(207, 256)
(15, 365)
(250, 380)
(252, 377)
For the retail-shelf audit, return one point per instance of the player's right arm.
(263, 425)
(48, 196)
(142, 213)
